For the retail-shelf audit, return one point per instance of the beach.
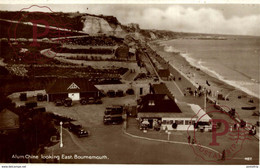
(193, 76)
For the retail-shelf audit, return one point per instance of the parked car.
(77, 129)
(115, 109)
(102, 93)
(112, 119)
(130, 91)
(38, 109)
(40, 97)
(111, 93)
(155, 79)
(83, 101)
(31, 104)
(90, 100)
(203, 126)
(23, 97)
(68, 102)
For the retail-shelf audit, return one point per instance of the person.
(188, 139)
(193, 141)
(223, 155)
(252, 131)
(242, 123)
(235, 126)
(195, 93)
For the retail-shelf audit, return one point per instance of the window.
(166, 97)
(164, 122)
(187, 122)
(169, 122)
(151, 103)
(179, 122)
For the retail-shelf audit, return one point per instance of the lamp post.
(205, 99)
(61, 143)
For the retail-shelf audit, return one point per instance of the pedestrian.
(223, 155)
(235, 126)
(188, 139)
(193, 141)
(230, 129)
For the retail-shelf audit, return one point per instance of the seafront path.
(178, 86)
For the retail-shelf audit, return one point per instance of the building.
(164, 73)
(163, 108)
(9, 122)
(72, 88)
(161, 88)
(160, 109)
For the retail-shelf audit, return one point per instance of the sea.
(235, 60)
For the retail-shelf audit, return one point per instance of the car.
(120, 93)
(114, 109)
(68, 102)
(23, 97)
(102, 93)
(31, 104)
(77, 129)
(38, 109)
(155, 79)
(83, 101)
(111, 93)
(90, 100)
(82, 133)
(130, 91)
(98, 101)
(112, 119)
(40, 97)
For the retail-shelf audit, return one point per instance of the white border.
(130, 2)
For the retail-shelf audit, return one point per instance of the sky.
(239, 19)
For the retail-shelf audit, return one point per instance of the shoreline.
(160, 48)
(217, 86)
(211, 72)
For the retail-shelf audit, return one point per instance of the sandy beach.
(193, 76)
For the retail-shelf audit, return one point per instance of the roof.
(185, 108)
(164, 72)
(8, 120)
(162, 89)
(68, 85)
(164, 115)
(158, 103)
(200, 113)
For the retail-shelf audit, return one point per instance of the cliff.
(88, 24)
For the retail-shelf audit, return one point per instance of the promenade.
(183, 81)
